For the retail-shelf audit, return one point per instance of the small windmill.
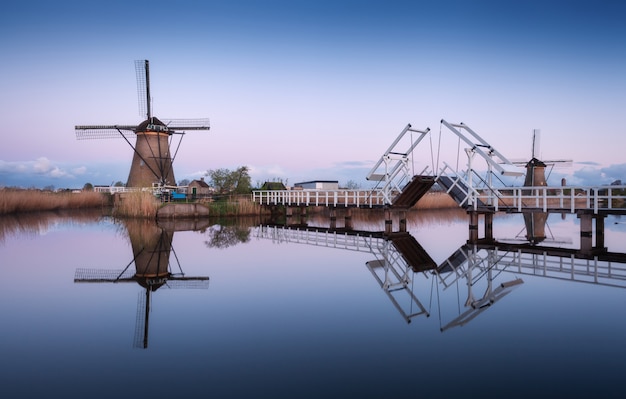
(153, 159)
(536, 168)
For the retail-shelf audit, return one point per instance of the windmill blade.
(142, 70)
(88, 132)
(559, 163)
(84, 275)
(187, 283)
(536, 144)
(142, 320)
(187, 124)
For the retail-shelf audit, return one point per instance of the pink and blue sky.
(304, 90)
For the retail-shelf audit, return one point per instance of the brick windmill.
(153, 158)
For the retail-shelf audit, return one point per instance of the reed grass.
(17, 200)
(436, 200)
(137, 204)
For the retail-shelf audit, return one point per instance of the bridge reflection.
(153, 267)
(487, 270)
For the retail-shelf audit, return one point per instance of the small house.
(198, 188)
(273, 185)
(318, 185)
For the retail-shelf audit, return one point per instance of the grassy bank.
(146, 205)
(16, 201)
(239, 205)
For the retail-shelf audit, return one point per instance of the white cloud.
(81, 170)
(56, 173)
(41, 165)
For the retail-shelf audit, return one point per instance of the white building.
(317, 185)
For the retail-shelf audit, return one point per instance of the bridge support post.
(402, 214)
(333, 217)
(586, 232)
(303, 214)
(473, 227)
(348, 219)
(489, 226)
(600, 231)
(388, 221)
(474, 233)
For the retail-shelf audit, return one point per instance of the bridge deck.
(413, 191)
(599, 199)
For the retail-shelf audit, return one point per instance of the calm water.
(253, 311)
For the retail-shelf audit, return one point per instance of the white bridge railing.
(544, 198)
(341, 198)
(569, 198)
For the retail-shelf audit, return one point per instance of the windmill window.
(141, 162)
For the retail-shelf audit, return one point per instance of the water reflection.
(299, 311)
(456, 288)
(31, 224)
(227, 232)
(470, 280)
(152, 252)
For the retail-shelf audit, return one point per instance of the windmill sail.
(536, 150)
(142, 70)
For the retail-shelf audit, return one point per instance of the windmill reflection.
(152, 249)
(535, 223)
(537, 231)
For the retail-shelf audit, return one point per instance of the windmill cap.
(151, 125)
(535, 162)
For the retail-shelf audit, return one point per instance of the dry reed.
(138, 204)
(15, 201)
(436, 200)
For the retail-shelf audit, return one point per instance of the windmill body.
(153, 159)
(152, 154)
(535, 173)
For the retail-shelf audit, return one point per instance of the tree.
(352, 185)
(119, 184)
(184, 182)
(225, 181)
(243, 184)
(226, 236)
(88, 187)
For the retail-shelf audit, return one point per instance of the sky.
(307, 90)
